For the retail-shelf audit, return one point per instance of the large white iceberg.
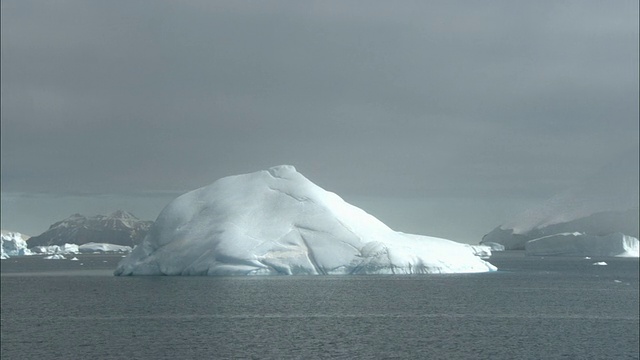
(278, 222)
(579, 244)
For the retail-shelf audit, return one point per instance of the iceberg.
(103, 247)
(580, 244)
(56, 249)
(494, 246)
(276, 222)
(13, 244)
(483, 251)
(54, 257)
(84, 248)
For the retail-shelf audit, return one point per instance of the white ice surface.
(103, 247)
(579, 244)
(483, 251)
(56, 249)
(278, 222)
(13, 244)
(54, 257)
(76, 249)
(494, 246)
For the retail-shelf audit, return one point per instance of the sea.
(531, 308)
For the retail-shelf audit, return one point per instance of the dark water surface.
(533, 308)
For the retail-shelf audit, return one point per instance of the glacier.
(275, 222)
(580, 244)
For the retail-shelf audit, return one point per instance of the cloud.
(410, 99)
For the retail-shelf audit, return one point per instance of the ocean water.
(533, 308)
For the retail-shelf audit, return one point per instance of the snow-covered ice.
(56, 249)
(13, 244)
(494, 246)
(579, 244)
(278, 222)
(54, 257)
(599, 263)
(103, 247)
(483, 251)
(95, 248)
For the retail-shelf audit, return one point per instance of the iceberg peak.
(282, 171)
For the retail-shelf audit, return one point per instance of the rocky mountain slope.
(120, 228)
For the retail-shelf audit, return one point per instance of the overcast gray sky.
(439, 117)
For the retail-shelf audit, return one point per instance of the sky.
(443, 118)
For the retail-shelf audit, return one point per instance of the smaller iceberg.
(494, 246)
(580, 244)
(55, 257)
(56, 249)
(93, 247)
(481, 251)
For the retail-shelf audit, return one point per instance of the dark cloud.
(416, 99)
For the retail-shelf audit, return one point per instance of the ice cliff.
(278, 222)
(13, 244)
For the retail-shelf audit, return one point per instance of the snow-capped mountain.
(579, 244)
(598, 224)
(603, 204)
(120, 228)
(278, 222)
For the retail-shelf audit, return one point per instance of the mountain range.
(119, 227)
